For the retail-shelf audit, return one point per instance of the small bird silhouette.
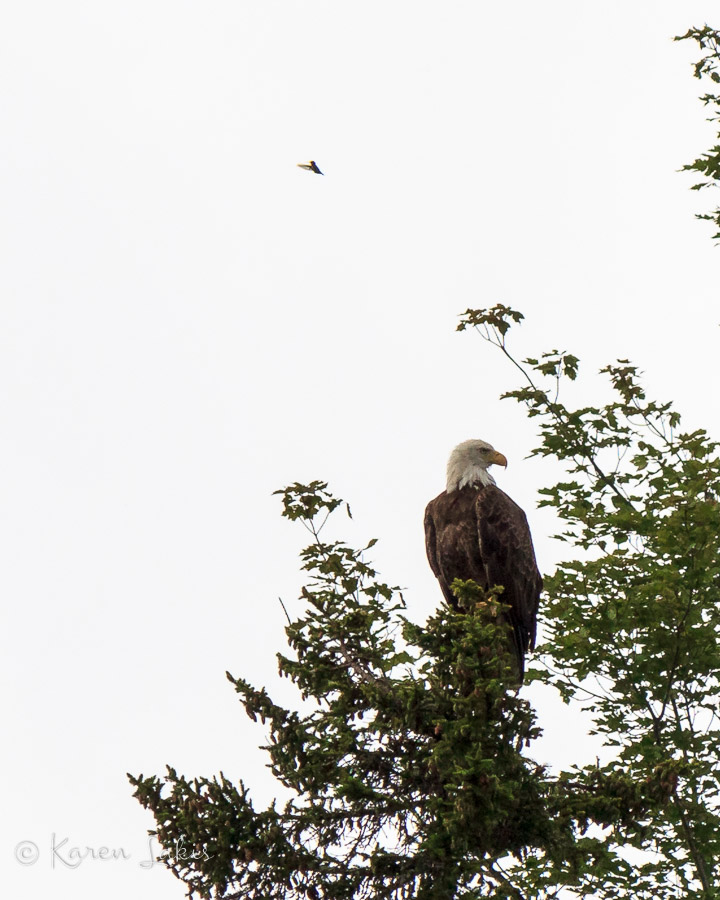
(311, 166)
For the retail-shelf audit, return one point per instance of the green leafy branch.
(707, 68)
(633, 625)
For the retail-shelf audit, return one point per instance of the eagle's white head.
(468, 464)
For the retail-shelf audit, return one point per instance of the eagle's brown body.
(478, 533)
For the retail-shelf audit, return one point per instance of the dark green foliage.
(405, 767)
(707, 68)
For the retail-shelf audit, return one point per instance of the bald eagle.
(474, 531)
(311, 166)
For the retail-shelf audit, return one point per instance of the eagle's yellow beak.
(497, 459)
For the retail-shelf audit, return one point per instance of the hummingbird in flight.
(311, 166)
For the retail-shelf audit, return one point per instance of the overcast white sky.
(189, 321)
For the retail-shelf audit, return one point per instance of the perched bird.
(311, 166)
(474, 531)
